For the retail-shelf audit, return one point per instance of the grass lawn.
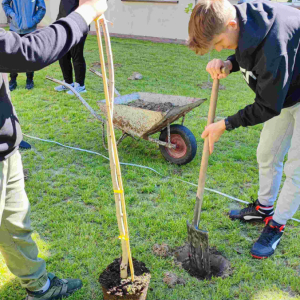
(73, 210)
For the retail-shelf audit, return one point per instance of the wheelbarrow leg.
(124, 136)
(169, 134)
(183, 119)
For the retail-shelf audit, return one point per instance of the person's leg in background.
(13, 81)
(29, 81)
(79, 66)
(67, 71)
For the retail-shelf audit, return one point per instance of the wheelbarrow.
(176, 142)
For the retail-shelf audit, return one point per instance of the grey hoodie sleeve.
(271, 90)
(41, 47)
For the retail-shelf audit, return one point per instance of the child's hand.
(214, 68)
(213, 132)
(91, 9)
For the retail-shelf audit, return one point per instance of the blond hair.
(209, 19)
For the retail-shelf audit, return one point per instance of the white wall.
(3, 18)
(148, 19)
(163, 20)
(51, 12)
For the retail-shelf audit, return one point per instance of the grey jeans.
(280, 135)
(16, 245)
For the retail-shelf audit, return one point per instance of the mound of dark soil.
(110, 279)
(162, 107)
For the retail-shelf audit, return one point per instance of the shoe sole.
(25, 148)
(64, 296)
(250, 220)
(259, 257)
(67, 296)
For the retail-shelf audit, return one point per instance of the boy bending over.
(266, 39)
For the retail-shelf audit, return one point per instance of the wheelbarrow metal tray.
(143, 122)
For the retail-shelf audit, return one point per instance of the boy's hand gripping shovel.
(198, 239)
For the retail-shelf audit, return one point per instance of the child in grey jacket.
(24, 17)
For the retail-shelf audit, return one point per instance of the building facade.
(163, 19)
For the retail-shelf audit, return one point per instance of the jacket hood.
(255, 20)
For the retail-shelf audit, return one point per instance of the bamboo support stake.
(113, 151)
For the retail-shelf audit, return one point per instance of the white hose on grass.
(144, 167)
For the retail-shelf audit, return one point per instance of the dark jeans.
(13, 76)
(76, 54)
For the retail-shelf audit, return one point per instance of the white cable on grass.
(92, 152)
(214, 191)
(144, 167)
(57, 143)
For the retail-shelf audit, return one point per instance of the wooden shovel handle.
(205, 153)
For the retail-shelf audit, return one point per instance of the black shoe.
(59, 289)
(253, 212)
(268, 241)
(29, 85)
(12, 85)
(24, 145)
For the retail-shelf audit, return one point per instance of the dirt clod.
(26, 173)
(177, 172)
(162, 250)
(172, 279)
(162, 107)
(135, 76)
(110, 279)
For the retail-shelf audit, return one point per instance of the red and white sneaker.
(253, 212)
(269, 240)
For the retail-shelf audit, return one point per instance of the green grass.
(73, 211)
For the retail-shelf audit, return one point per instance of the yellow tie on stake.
(118, 192)
(112, 147)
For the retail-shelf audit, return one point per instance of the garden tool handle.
(205, 153)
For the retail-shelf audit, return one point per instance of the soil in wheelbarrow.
(162, 107)
(114, 287)
(220, 266)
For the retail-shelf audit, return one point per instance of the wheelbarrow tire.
(186, 145)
